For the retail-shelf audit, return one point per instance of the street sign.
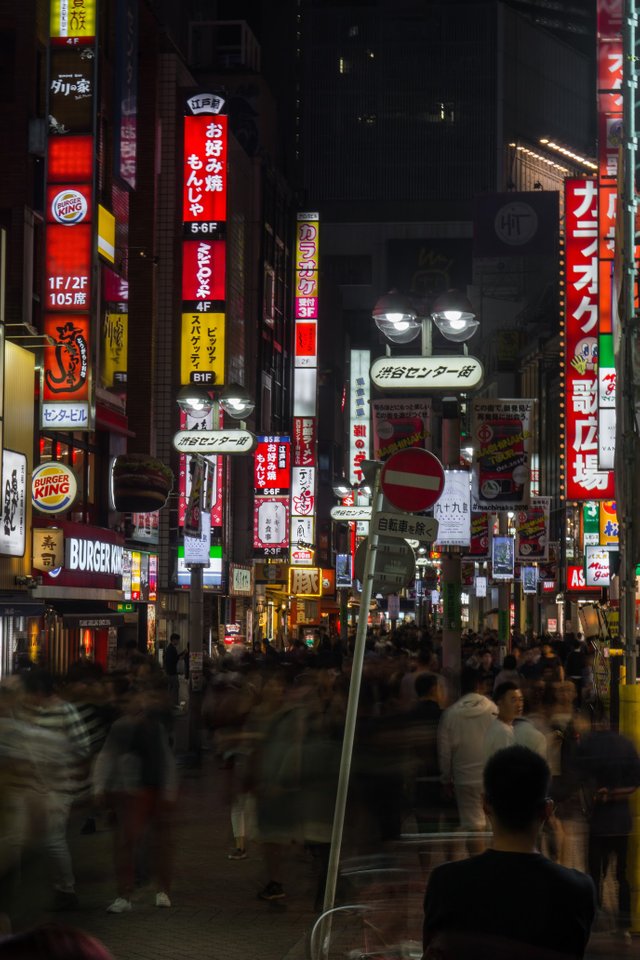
(208, 442)
(412, 479)
(431, 374)
(406, 526)
(394, 567)
(351, 513)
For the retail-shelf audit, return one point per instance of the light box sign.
(576, 579)
(70, 159)
(305, 582)
(66, 373)
(303, 485)
(270, 525)
(359, 414)
(203, 270)
(481, 587)
(68, 265)
(272, 465)
(14, 504)
(113, 357)
(211, 574)
(596, 564)
(202, 349)
(306, 344)
(240, 580)
(304, 441)
(72, 19)
(307, 262)
(188, 422)
(609, 529)
(501, 439)
(71, 91)
(47, 548)
(502, 558)
(591, 524)
(302, 532)
(205, 168)
(343, 570)
(400, 423)
(125, 145)
(453, 510)
(68, 205)
(584, 479)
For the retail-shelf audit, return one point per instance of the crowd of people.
(274, 721)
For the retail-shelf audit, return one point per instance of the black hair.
(510, 662)
(516, 785)
(503, 688)
(38, 681)
(469, 680)
(174, 636)
(425, 683)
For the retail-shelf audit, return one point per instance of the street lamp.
(400, 318)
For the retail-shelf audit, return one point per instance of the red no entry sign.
(412, 479)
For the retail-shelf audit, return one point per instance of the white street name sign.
(427, 373)
(214, 441)
(406, 525)
(351, 513)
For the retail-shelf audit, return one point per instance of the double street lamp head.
(397, 318)
(196, 401)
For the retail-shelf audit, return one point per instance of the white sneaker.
(162, 900)
(119, 905)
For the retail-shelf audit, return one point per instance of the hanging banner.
(270, 526)
(113, 358)
(532, 530)
(479, 539)
(193, 514)
(453, 510)
(529, 578)
(303, 485)
(584, 480)
(400, 423)
(359, 392)
(481, 587)
(502, 558)
(214, 470)
(501, 439)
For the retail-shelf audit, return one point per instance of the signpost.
(394, 564)
(430, 374)
(351, 513)
(209, 442)
(412, 479)
(406, 526)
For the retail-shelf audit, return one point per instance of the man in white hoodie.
(461, 735)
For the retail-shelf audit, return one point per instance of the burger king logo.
(69, 207)
(53, 488)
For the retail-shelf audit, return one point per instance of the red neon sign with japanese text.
(205, 169)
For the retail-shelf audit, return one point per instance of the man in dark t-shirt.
(511, 900)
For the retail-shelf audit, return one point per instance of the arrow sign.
(214, 441)
(351, 513)
(406, 526)
(427, 373)
(412, 479)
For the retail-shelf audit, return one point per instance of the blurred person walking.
(135, 776)
(478, 909)
(69, 748)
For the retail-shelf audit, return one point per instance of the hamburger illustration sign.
(54, 488)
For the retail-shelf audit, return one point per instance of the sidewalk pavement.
(215, 911)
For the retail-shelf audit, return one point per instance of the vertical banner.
(584, 479)
(359, 414)
(532, 531)
(305, 390)
(502, 558)
(66, 394)
(271, 488)
(501, 436)
(453, 510)
(479, 538)
(590, 524)
(400, 423)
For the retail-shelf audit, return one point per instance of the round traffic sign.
(412, 479)
(394, 565)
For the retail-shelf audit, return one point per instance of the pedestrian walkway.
(215, 911)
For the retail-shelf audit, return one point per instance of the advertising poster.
(453, 510)
(596, 567)
(479, 538)
(590, 523)
(270, 526)
(400, 423)
(272, 466)
(343, 570)
(529, 578)
(532, 530)
(503, 558)
(609, 531)
(501, 438)
(14, 504)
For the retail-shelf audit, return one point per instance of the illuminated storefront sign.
(596, 564)
(359, 414)
(272, 466)
(270, 526)
(202, 348)
(305, 582)
(113, 356)
(205, 169)
(73, 19)
(501, 439)
(203, 270)
(48, 548)
(584, 480)
(92, 556)
(54, 488)
(304, 441)
(188, 422)
(211, 574)
(303, 485)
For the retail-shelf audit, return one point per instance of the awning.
(85, 614)
(19, 606)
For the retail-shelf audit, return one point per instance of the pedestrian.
(479, 908)
(461, 734)
(510, 702)
(171, 657)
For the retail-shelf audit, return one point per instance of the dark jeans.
(600, 851)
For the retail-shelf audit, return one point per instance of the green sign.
(451, 605)
(591, 523)
(125, 608)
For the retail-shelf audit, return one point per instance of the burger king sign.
(54, 488)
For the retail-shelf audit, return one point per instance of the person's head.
(509, 662)
(509, 700)
(38, 683)
(469, 680)
(52, 942)
(516, 787)
(486, 659)
(174, 638)
(427, 687)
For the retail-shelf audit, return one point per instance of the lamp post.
(401, 318)
(346, 491)
(196, 402)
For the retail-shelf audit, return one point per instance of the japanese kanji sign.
(272, 466)
(406, 525)
(214, 441)
(73, 19)
(202, 350)
(584, 479)
(359, 415)
(48, 548)
(427, 373)
(271, 525)
(205, 169)
(453, 510)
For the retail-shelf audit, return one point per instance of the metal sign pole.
(351, 715)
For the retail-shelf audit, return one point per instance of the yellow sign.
(608, 522)
(202, 348)
(73, 18)
(115, 343)
(106, 234)
(305, 581)
(48, 548)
